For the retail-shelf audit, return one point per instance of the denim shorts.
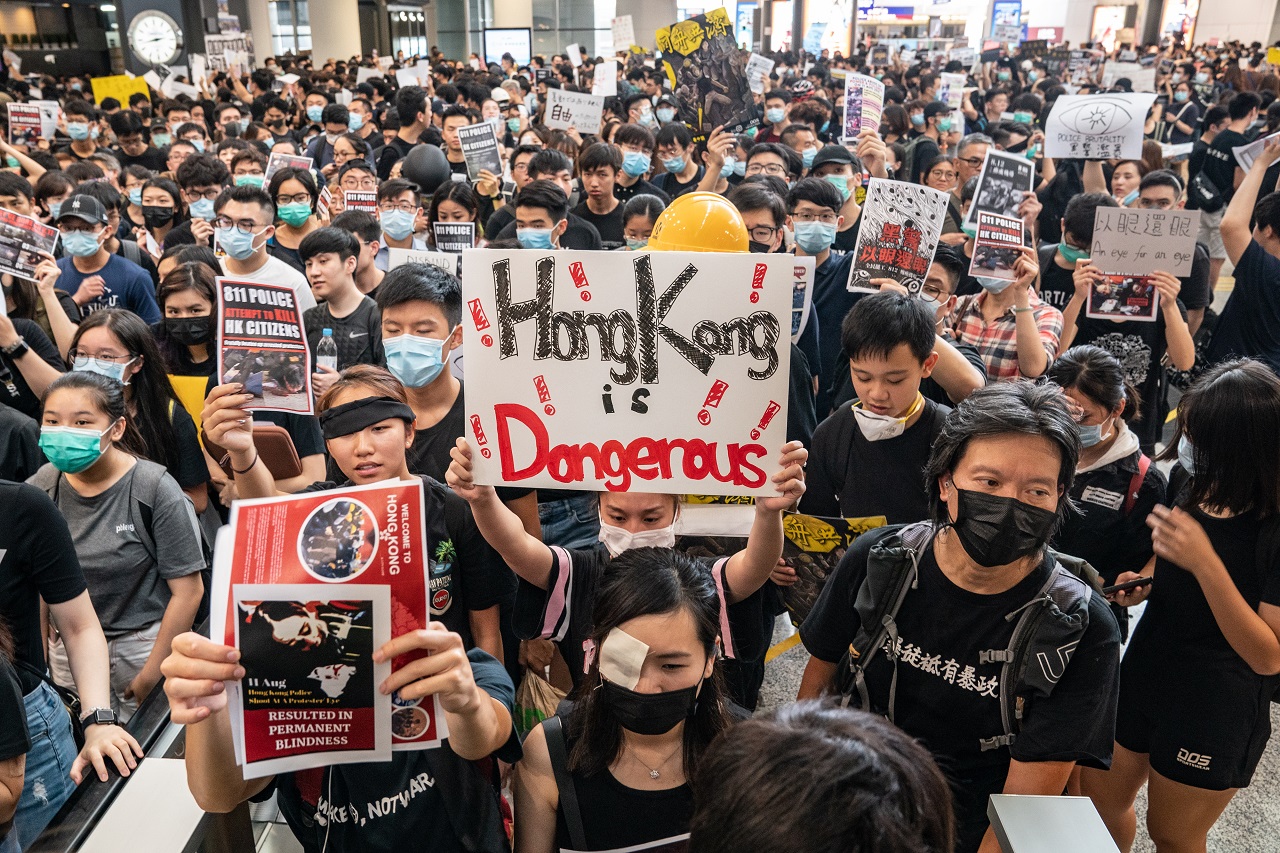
(53, 750)
(571, 522)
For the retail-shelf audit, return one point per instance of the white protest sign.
(627, 371)
(408, 77)
(447, 261)
(575, 55)
(758, 71)
(49, 111)
(1246, 154)
(574, 109)
(363, 74)
(1139, 242)
(951, 89)
(863, 105)
(966, 56)
(605, 81)
(1097, 127)
(624, 32)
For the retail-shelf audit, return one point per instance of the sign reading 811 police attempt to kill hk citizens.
(627, 371)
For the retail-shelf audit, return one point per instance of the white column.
(649, 16)
(259, 24)
(335, 30)
(513, 13)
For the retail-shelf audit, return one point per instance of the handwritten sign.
(1140, 242)
(605, 81)
(574, 109)
(627, 371)
(1097, 127)
(118, 86)
(624, 32)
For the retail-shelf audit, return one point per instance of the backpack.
(1048, 628)
(1136, 481)
(908, 159)
(557, 751)
(130, 251)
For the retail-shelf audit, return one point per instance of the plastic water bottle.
(327, 351)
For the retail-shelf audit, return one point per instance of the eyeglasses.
(207, 195)
(935, 293)
(946, 176)
(296, 198)
(824, 218)
(404, 206)
(975, 162)
(350, 183)
(244, 226)
(80, 358)
(79, 228)
(763, 233)
(768, 169)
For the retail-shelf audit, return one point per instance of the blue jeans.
(571, 522)
(53, 749)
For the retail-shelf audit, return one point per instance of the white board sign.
(1140, 242)
(1097, 127)
(605, 81)
(574, 109)
(624, 32)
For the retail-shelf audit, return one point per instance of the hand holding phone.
(1136, 583)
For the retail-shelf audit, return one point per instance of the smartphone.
(1133, 584)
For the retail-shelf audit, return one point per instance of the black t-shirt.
(190, 470)
(802, 418)
(850, 477)
(609, 225)
(1057, 285)
(831, 302)
(640, 187)
(669, 184)
(462, 567)
(14, 740)
(923, 154)
(390, 153)
(1197, 291)
(37, 561)
(1220, 164)
(1250, 322)
(579, 234)
(357, 335)
(1195, 162)
(14, 390)
(20, 455)
(929, 386)
(151, 158)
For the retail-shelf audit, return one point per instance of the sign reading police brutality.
(627, 371)
(1097, 127)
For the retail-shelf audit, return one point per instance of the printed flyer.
(997, 247)
(901, 224)
(1124, 297)
(263, 345)
(480, 149)
(863, 105)
(813, 547)
(278, 161)
(22, 239)
(454, 236)
(25, 123)
(362, 200)
(1001, 184)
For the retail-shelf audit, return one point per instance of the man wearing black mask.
(941, 625)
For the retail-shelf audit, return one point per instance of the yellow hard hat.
(700, 222)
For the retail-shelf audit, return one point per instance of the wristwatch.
(100, 717)
(16, 350)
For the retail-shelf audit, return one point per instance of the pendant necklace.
(653, 773)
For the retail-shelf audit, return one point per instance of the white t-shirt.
(276, 271)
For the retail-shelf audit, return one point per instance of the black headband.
(359, 414)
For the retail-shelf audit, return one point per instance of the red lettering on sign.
(477, 314)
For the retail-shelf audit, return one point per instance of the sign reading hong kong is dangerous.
(627, 371)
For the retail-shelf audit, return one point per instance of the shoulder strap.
(129, 249)
(142, 501)
(553, 729)
(1135, 484)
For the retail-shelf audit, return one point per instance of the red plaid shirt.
(998, 340)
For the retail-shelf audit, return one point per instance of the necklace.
(654, 773)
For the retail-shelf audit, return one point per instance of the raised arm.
(748, 569)
(1235, 230)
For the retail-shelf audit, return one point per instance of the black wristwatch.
(17, 349)
(100, 717)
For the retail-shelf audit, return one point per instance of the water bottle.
(327, 351)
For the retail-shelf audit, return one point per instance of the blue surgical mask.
(740, 168)
(727, 169)
(72, 450)
(840, 183)
(76, 87)
(244, 123)
(1070, 253)
(635, 245)
(109, 369)
(413, 360)
(1202, 78)
(197, 144)
(78, 131)
(534, 238)
(917, 119)
(397, 224)
(1181, 96)
(635, 163)
(1003, 76)
(1090, 434)
(1033, 76)
(815, 237)
(12, 162)
(55, 209)
(135, 196)
(675, 164)
(202, 209)
(807, 156)
(775, 115)
(646, 117)
(933, 304)
(81, 244)
(160, 140)
(513, 124)
(970, 231)
(1130, 198)
(944, 124)
(825, 125)
(237, 244)
(993, 285)
(666, 115)
(1023, 118)
(250, 180)
(1187, 455)
(355, 121)
(314, 114)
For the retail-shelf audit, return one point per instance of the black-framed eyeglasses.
(763, 233)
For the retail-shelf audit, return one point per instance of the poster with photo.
(309, 695)
(279, 160)
(801, 295)
(1097, 127)
(901, 224)
(707, 74)
(25, 124)
(879, 56)
(627, 371)
(951, 89)
(863, 105)
(454, 236)
(996, 247)
(1124, 297)
(813, 546)
(480, 149)
(22, 239)
(262, 345)
(365, 201)
(1128, 241)
(1002, 183)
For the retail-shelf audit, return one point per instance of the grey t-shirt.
(128, 589)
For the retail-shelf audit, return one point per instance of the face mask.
(397, 224)
(840, 183)
(202, 209)
(250, 180)
(649, 713)
(619, 539)
(917, 119)
(80, 244)
(1091, 434)
(331, 137)
(109, 369)
(135, 196)
(12, 162)
(1070, 253)
(1003, 76)
(758, 248)
(635, 245)
(534, 238)
(1130, 198)
(295, 214)
(727, 169)
(1023, 118)
(775, 115)
(932, 304)
(314, 114)
(76, 87)
(646, 117)
(740, 168)
(157, 217)
(825, 125)
(1202, 78)
(675, 164)
(189, 331)
(160, 140)
(876, 427)
(238, 245)
(1181, 97)
(996, 531)
(197, 144)
(1175, 79)
(355, 121)
(413, 360)
(944, 124)
(244, 124)
(78, 132)
(807, 156)
(970, 231)
(71, 450)
(513, 124)
(993, 285)
(1187, 455)
(815, 237)
(635, 163)
(1033, 76)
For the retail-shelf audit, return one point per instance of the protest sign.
(363, 75)
(454, 236)
(605, 80)
(758, 71)
(262, 345)
(1001, 184)
(49, 112)
(575, 54)
(447, 261)
(1139, 242)
(1123, 297)
(996, 247)
(674, 380)
(863, 105)
(362, 200)
(1244, 154)
(573, 109)
(966, 56)
(21, 241)
(408, 77)
(708, 74)
(221, 51)
(480, 149)
(951, 89)
(624, 32)
(1273, 55)
(279, 160)
(878, 57)
(901, 224)
(813, 547)
(1097, 127)
(24, 124)
(118, 86)
(801, 295)
(309, 695)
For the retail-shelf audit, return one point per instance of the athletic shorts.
(1203, 725)
(1211, 233)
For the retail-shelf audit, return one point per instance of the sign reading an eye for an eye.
(1097, 127)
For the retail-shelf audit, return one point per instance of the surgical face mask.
(160, 140)
(198, 144)
(71, 450)
(635, 245)
(1070, 253)
(815, 237)
(649, 713)
(250, 180)
(237, 244)
(1033, 76)
(76, 87)
(740, 168)
(917, 119)
(1130, 198)
(1003, 76)
(156, 216)
(135, 196)
(1202, 78)
(413, 360)
(646, 117)
(635, 163)
(355, 121)
(189, 331)
(876, 427)
(202, 209)
(513, 124)
(244, 123)
(1181, 96)
(78, 131)
(993, 285)
(1187, 455)
(840, 183)
(331, 137)
(397, 224)
(534, 238)
(932, 304)
(674, 164)
(807, 156)
(109, 369)
(295, 213)
(775, 115)
(1175, 79)
(970, 231)
(81, 244)
(1091, 434)
(314, 114)
(1023, 118)
(619, 539)
(55, 209)
(727, 169)
(996, 531)
(944, 124)
(825, 125)
(666, 115)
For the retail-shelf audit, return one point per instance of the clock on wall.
(155, 38)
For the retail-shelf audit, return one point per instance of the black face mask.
(649, 713)
(189, 331)
(155, 216)
(759, 248)
(996, 531)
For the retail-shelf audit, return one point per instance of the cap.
(85, 208)
(500, 94)
(831, 154)
(936, 108)
(670, 100)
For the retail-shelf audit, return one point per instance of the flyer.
(878, 56)
(758, 71)
(813, 547)
(279, 160)
(951, 89)
(454, 236)
(901, 224)
(801, 295)
(262, 344)
(605, 79)
(1001, 184)
(567, 109)
(1097, 127)
(1124, 297)
(480, 149)
(25, 124)
(22, 239)
(362, 200)
(863, 105)
(365, 536)
(997, 247)
(624, 32)
(309, 695)
(1244, 154)
(708, 74)
(1138, 242)
(627, 371)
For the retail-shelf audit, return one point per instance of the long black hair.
(1098, 375)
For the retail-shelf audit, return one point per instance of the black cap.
(831, 154)
(85, 208)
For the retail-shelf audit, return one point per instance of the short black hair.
(102, 191)
(424, 283)
(815, 191)
(1214, 115)
(549, 161)
(126, 123)
(1078, 218)
(358, 222)
(247, 194)
(331, 240)
(398, 186)
(1162, 178)
(953, 262)
(1098, 375)
(335, 114)
(410, 101)
(520, 150)
(15, 185)
(677, 134)
(202, 170)
(600, 154)
(547, 195)
(455, 111)
(747, 197)
(779, 94)
(879, 322)
(1242, 104)
(80, 109)
(303, 176)
(1266, 213)
(356, 164)
(634, 134)
(789, 157)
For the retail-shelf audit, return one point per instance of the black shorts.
(1201, 723)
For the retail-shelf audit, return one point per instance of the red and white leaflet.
(22, 239)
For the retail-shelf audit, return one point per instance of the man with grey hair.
(970, 155)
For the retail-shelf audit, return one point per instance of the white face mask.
(619, 539)
(876, 427)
